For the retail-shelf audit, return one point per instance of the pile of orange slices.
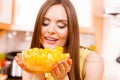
(43, 60)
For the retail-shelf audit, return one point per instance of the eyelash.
(61, 27)
(45, 24)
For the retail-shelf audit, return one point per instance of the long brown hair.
(72, 43)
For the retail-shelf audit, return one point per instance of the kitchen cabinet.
(25, 12)
(5, 13)
(90, 16)
(23, 17)
(84, 14)
(98, 23)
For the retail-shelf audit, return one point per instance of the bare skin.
(94, 67)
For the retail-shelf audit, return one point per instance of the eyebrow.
(46, 18)
(61, 20)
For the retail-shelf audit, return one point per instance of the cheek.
(42, 34)
(43, 30)
(63, 34)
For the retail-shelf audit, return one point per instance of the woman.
(57, 25)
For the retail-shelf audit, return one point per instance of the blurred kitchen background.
(99, 22)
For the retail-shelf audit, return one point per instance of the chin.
(50, 46)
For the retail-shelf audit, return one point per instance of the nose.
(51, 29)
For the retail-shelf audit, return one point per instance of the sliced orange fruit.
(43, 60)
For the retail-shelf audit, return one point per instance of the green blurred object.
(2, 58)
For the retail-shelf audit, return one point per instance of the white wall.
(18, 42)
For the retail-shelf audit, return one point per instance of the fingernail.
(70, 61)
(55, 66)
(15, 58)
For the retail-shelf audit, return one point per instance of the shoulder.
(94, 66)
(94, 57)
(94, 62)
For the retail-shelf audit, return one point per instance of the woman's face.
(55, 27)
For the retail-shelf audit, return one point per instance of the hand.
(61, 69)
(32, 75)
(19, 61)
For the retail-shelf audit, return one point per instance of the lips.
(50, 40)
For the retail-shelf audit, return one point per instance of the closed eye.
(62, 24)
(61, 27)
(45, 24)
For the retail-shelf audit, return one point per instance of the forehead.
(57, 11)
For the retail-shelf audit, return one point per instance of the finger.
(67, 66)
(16, 59)
(27, 70)
(19, 55)
(61, 67)
(69, 62)
(24, 67)
(19, 61)
(53, 73)
(57, 70)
